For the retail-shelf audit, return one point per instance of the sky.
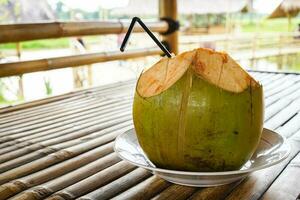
(261, 6)
(265, 6)
(92, 5)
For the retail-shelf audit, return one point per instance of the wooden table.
(62, 148)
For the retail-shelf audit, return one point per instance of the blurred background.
(259, 34)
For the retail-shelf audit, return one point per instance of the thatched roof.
(20, 11)
(150, 7)
(287, 8)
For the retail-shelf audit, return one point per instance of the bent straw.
(136, 19)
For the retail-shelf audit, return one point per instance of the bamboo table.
(62, 148)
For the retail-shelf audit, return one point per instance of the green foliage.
(9, 10)
(269, 25)
(2, 98)
(47, 44)
(47, 85)
(39, 44)
(289, 63)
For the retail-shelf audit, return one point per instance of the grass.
(46, 44)
(289, 62)
(5, 103)
(269, 25)
(39, 44)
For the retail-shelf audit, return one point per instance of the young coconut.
(198, 111)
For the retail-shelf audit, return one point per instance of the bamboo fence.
(34, 31)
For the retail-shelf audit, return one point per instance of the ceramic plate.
(272, 149)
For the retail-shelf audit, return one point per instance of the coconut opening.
(218, 68)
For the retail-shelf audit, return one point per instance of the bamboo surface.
(33, 31)
(62, 148)
(21, 67)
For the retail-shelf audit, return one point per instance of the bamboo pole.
(15, 68)
(168, 9)
(33, 31)
(20, 80)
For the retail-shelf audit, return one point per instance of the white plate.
(272, 149)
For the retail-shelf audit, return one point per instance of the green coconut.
(198, 111)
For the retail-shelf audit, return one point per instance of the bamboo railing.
(21, 67)
(33, 31)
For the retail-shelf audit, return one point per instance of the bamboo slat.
(50, 101)
(64, 114)
(287, 93)
(284, 115)
(276, 78)
(280, 104)
(69, 123)
(144, 190)
(50, 111)
(279, 78)
(61, 115)
(257, 183)
(70, 127)
(176, 192)
(93, 182)
(284, 85)
(16, 186)
(37, 107)
(215, 193)
(65, 143)
(44, 190)
(44, 150)
(112, 189)
(291, 127)
(17, 68)
(65, 106)
(288, 184)
(106, 126)
(33, 31)
(53, 159)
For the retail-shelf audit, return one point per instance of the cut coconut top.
(217, 68)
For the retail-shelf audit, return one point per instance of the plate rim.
(193, 173)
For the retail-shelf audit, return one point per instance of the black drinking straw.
(136, 19)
